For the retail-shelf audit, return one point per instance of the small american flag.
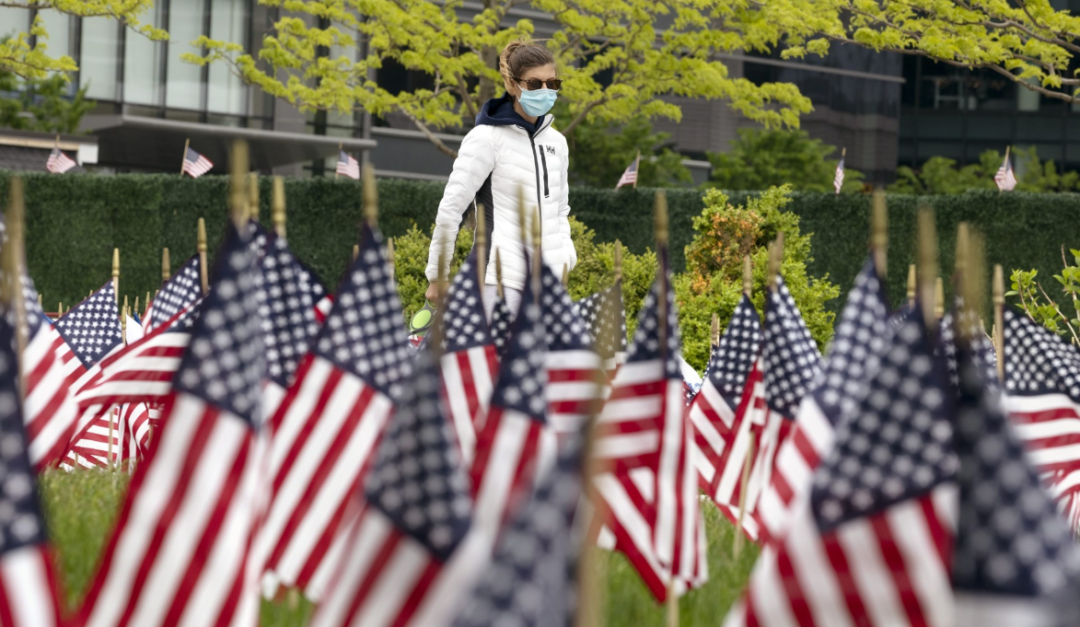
(469, 363)
(28, 595)
(49, 410)
(501, 319)
(531, 581)
(58, 162)
(788, 365)
(1014, 558)
(328, 424)
(404, 560)
(195, 164)
(178, 552)
(574, 369)
(838, 178)
(181, 291)
(872, 546)
(1005, 179)
(855, 351)
(629, 176)
(87, 334)
(605, 316)
(516, 443)
(1042, 383)
(646, 489)
(713, 410)
(347, 165)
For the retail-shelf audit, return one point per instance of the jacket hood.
(500, 112)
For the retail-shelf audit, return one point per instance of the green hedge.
(74, 221)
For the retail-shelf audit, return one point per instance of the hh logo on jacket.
(550, 150)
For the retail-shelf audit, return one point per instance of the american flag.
(853, 357)
(100, 442)
(1042, 384)
(713, 411)
(49, 408)
(28, 596)
(468, 357)
(178, 552)
(647, 489)
(195, 164)
(838, 178)
(1014, 559)
(347, 165)
(605, 316)
(287, 293)
(181, 291)
(407, 553)
(501, 319)
(872, 544)
(629, 176)
(88, 333)
(532, 578)
(789, 364)
(516, 443)
(574, 369)
(1005, 179)
(327, 427)
(58, 162)
(139, 427)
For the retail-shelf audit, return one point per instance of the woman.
(513, 147)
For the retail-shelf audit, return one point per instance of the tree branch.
(443, 148)
(581, 116)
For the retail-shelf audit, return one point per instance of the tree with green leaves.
(41, 104)
(940, 175)
(619, 58)
(600, 152)
(27, 54)
(1029, 42)
(763, 158)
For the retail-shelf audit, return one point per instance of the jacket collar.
(500, 112)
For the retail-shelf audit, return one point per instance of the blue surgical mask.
(538, 101)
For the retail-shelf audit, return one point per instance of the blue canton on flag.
(92, 328)
(287, 298)
(464, 320)
(733, 357)
(181, 291)
(791, 359)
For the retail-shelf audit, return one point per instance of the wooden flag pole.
(371, 197)
(136, 308)
(200, 245)
(11, 255)
(59, 309)
(928, 265)
(879, 233)
(481, 248)
(565, 275)
(939, 298)
(498, 274)
(637, 168)
(338, 158)
(776, 259)
(166, 266)
(747, 276)
(537, 262)
(238, 196)
(355, 251)
(714, 334)
(277, 206)
(911, 283)
(147, 301)
(183, 161)
(661, 229)
(123, 320)
(253, 196)
(999, 320)
(116, 274)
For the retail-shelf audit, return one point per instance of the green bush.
(712, 282)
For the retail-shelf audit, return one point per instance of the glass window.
(1027, 99)
(98, 60)
(227, 22)
(142, 65)
(58, 25)
(184, 88)
(14, 21)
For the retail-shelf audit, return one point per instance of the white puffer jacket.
(496, 158)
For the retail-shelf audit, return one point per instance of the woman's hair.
(520, 55)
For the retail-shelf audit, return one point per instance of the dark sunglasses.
(534, 83)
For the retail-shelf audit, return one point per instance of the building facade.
(150, 102)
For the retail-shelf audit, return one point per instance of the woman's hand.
(432, 293)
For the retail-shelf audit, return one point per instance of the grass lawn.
(80, 508)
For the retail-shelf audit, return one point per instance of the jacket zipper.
(543, 161)
(536, 169)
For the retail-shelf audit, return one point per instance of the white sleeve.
(475, 161)
(564, 214)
